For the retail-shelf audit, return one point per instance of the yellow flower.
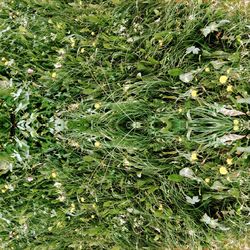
(223, 170)
(236, 122)
(223, 79)
(97, 144)
(194, 156)
(236, 128)
(92, 216)
(180, 110)
(82, 50)
(160, 43)
(72, 208)
(160, 207)
(53, 75)
(82, 199)
(229, 88)
(53, 175)
(207, 69)
(228, 71)
(194, 93)
(207, 180)
(229, 161)
(97, 105)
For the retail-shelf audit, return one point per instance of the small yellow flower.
(229, 71)
(179, 139)
(97, 105)
(72, 42)
(207, 69)
(82, 199)
(160, 43)
(53, 175)
(194, 93)
(223, 170)
(92, 216)
(92, 33)
(207, 180)
(236, 128)
(180, 110)
(82, 50)
(53, 75)
(97, 144)
(59, 25)
(194, 156)
(229, 161)
(160, 207)
(223, 79)
(3, 190)
(236, 122)
(229, 88)
(72, 208)
(50, 229)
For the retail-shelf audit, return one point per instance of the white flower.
(213, 223)
(30, 71)
(61, 52)
(193, 50)
(57, 184)
(61, 198)
(193, 200)
(122, 28)
(57, 65)
(130, 40)
(209, 29)
(213, 27)
(29, 179)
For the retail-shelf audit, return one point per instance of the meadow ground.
(124, 124)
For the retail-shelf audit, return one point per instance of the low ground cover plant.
(124, 124)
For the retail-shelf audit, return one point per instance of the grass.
(124, 124)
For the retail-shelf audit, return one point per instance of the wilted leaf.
(244, 100)
(230, 138)
(218, 186)
(230, 112)
(187, 172)
(217, 64)
(187, 77)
